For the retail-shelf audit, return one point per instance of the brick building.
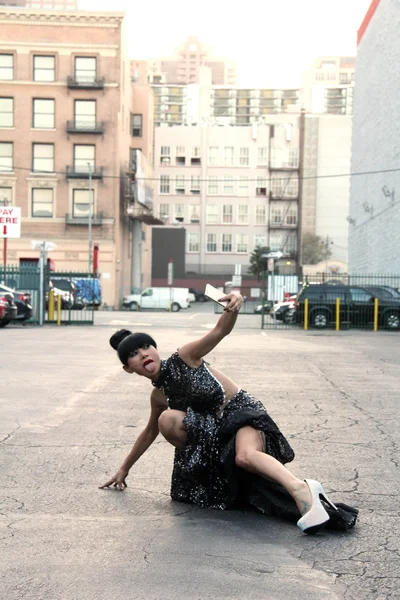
(65, 110)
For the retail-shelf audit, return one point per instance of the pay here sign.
(10, 222)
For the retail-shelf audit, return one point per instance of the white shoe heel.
(317, 515)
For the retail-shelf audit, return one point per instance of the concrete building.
(232, 189)
(65, 111)
(327, 87)
(42, 4)
(374, 213)
(186, 65)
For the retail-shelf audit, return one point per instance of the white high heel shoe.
(317, 515)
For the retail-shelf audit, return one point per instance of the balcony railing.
(282, 225)
(81, 126)
(85, 82)
(73, 220)
(82, 172)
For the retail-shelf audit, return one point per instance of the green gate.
(66, 297)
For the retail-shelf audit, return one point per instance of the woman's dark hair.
(125, 343)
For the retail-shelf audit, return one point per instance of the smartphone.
(215, 294)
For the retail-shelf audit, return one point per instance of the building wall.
(194, 202)
(374, 232)
(65, 36)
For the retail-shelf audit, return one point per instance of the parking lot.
(69, 415)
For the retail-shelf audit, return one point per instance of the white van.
(158, 298)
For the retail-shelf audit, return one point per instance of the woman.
(228, 449)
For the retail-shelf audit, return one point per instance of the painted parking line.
(129, 323)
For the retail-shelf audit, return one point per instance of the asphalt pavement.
(69, 415)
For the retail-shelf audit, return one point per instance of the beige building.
(65, 113)
(328, 86)
(232, 189)
(185, 67)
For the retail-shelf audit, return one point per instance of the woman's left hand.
(234, 301)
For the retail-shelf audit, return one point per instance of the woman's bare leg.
(170, 424)
(250, 456)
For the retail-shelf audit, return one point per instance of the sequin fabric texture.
(204, 472)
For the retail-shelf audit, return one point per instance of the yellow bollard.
(59, 309)
(306, 314)
(51, 305)
(376, 305)
(337, 314)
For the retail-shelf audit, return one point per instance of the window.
(243, 214)
(213, 185)
(5, 196)
(291, 216)
(42, 202)
(360, 295)
(213, 156)
(261, 214)
(229, 156)
(243, 189)
(284, 185)
(260, 240)
(44, 68)
(84, 154)
(244, 159)
(179, 212)
(261, 189)
(165, 158)
(164, 211)
(212, 214)
(276, 215)
(180, 184)
(211, 242)
(194, 242)
(242, 243)
(85, 69)
(229, 187)
(195, 184)
(85, 114)
(227, 213)
(180, 158)
(137, 125)
(81, 203)
(262, 158)
(6, 156)
(194, 213)
(195, 160)
(43, 114)
(226, 242)
(43, 158)
(6, 67)
(6, 112)
(164, 184)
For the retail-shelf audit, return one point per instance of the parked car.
(357, 306)
(198, 296)
(282, 311)
(192, 298)
(158, 298)
(21, 301)
(8, 308)
(66, 288)
(265, 307)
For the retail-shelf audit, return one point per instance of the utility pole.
(90, 217)
(328, 242)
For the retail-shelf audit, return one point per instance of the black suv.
(356, 306)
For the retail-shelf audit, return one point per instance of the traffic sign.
(10, 222)
(237, 280)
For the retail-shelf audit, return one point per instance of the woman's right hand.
(118, 481)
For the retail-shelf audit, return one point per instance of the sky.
(273, 41)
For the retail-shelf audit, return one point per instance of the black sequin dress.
(205, 472)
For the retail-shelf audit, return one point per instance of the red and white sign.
(10, 222)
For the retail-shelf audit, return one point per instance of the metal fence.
(64, 298)
(334, 301)
(338, 302)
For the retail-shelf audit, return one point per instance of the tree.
(314, 249)
(258, 264)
